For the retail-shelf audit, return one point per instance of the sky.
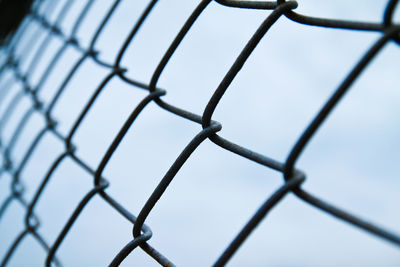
(351, 162)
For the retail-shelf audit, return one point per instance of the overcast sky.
(351, 162)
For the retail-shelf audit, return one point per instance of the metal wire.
(292, 177)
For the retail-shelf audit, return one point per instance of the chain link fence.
(293, 178)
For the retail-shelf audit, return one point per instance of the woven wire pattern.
(293, 178)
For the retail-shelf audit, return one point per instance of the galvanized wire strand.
(141, 233)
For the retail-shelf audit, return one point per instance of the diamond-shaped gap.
(351, 160)
(67, 186)
(56, 7)
(100, 224)
(13, 91)
(29, 44)
(7, 80)
(59, 72)
(39, 162)
(155, 36)
(117, 28)
(149, 148)
(94, 18)
(205, 55)
(72, 16)
(29, 248)
(284, 83)
(107, 116)
(30, 130)
(77, 93)
(40, 67)
(19, 110)
(215, 189)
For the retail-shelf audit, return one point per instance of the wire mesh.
(293, 178)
